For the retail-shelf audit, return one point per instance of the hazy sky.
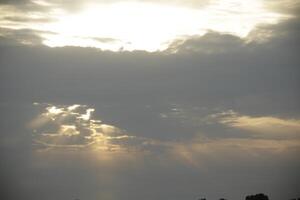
(149, 100)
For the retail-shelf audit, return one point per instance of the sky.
(143, 100)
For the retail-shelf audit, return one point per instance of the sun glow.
(135, 25)
(128, 26)
(151, 27)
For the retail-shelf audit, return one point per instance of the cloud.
(74, 127)
(263, 126)
(21, 37)
(219, 16)
(77, 4)
(210, 43)
(104, 40)
(25, 19)
(202, 152)
(263, 36)
(285, 6)
(14, 1)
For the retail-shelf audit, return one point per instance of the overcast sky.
(149, 100)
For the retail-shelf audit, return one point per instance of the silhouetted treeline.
(260, 196)
(257, 197)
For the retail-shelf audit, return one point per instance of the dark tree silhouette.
(257, 197)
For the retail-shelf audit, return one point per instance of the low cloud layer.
(74, 127)
(267, 126)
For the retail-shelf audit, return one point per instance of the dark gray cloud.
(20, 37)
(14, 2)
(169, 100)
(22, 6)
(210, 43)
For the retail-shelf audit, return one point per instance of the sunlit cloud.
(42, 3)
(257, 137)
(73, 126)
(135, 25)
(264, 126)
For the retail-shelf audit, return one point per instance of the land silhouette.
(259, 196)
